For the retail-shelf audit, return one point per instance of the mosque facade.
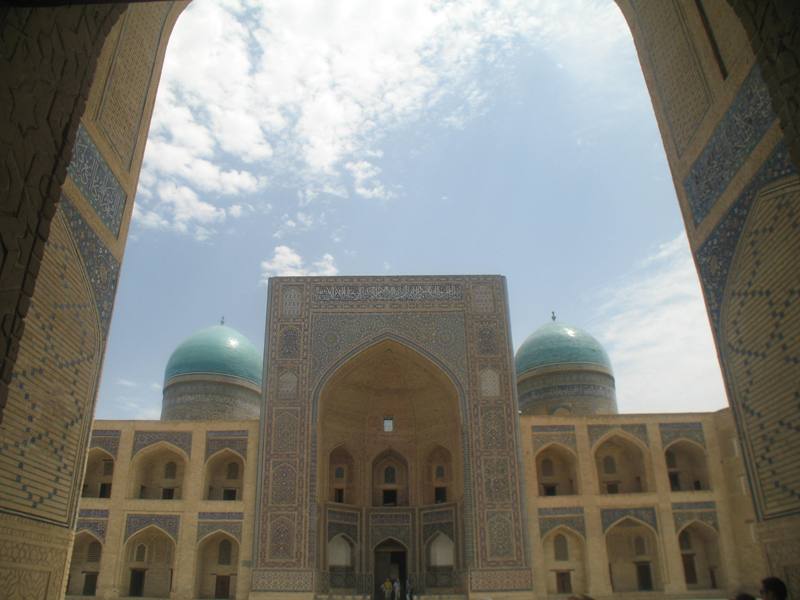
(389, 432)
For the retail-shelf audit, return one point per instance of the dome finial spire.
(553, 315)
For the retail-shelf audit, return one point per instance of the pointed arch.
(688, 468)
(630, 459)
(217, 482)
(149, 478)
(632, 547)
(217, 559)
(556, 470)
(566, 573)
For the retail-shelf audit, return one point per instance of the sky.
(410, 137)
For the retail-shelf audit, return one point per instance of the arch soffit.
(99, 450)
(635, 520)
(623, 435)
(150, 528)
(702, 525)
(388, 454)
(353, 354)
(79, 533)
(390, 539)
(347, 539)
(682, 440)
(556, 446)
(156, 447)
(221, 452)
(216, 533)
(564, 529)
(427, 542)
(341, 447)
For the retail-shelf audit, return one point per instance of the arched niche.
(556, 471)
(157, 472)
(390, 561)
(84, 568)
(633, 557)
(341, 558)
(224, 476)
(389, 406)
(686, 466)
(390, 480)
(565, 561)
(342, 486)
(699, 546)
(437, 476)
(217, 566)
(621, 466)
(440, 562)
(99, 474)
(148, 564)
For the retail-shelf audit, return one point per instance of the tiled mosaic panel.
(169, 524)
(681, 431)
(736, 135)
(637, 430)
(610, 516)
(123, 102)
(98, 184)
(106, 439)
(179, 439)
(680, 83)
(45, 425)
(760, 333)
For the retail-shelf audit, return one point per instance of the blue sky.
(423, 137)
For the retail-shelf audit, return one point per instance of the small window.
(141, 553)
(142, 491)
(439, 472)
(229, 494)
(389, 475)
(674, 482)
(550, 490)
(170, 470)
(698, 485)
(167, 493)
(609, 465)
(685, 540)
(224, 553)
(639, 546)
(560, 548)
(338, 495)
(612, 488)
(547, 468)
(671, 462)
(108, 468)
(232, 471)
(388, 424)
(390, 497)
(440, 495)
(93, 552)
(339, 473)
(105, 490)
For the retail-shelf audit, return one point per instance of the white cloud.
(305, 91)
(656, 330)
(285, 262)
(126, 383)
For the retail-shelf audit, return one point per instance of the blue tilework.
(715, 254)
(93, 513)
(575, 522)
(609, 516)
(694, 506)
(101, 267)
(94, 178)
(221, 516)
(106, 439)
(560, 510)
(168, 523)
(96, 527)
(743, 125)
(687, 431)
(180, 439)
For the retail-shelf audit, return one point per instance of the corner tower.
(213, 374)
(562, 369)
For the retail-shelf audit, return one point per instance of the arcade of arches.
(640, 501)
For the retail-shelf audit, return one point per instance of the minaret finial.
(553, 315)
(222, 320)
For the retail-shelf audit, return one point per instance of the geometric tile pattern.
(232, 440)
(205, 528)
(544, 435)
(598, 431)
(168, 523)
(566, 516)
(609, 516)
(220, 516)
(687, 431)
(107, 439)
(96, 527)
(98, 184)
(180, 439)
(686, 512)
(744, 124)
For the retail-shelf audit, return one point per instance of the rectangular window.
(105, 490)
(612, 488)
(390, 497)
(89, 584)
(167, 493)
(698, 485)
(550, 490)
(142, 491)
(338, 495)
(689, 570)
(440, 495)
(674, 482)
(563, 582)
(108, 468)
(644, 577)
(388, 424)
(136, 588)
(229, 494)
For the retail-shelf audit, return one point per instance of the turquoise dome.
(557, 344)
(217, 350)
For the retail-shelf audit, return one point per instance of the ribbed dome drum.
(562, 369)
(213, 374)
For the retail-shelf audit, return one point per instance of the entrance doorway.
(390, 563)
(222, 586)
(136, 588)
